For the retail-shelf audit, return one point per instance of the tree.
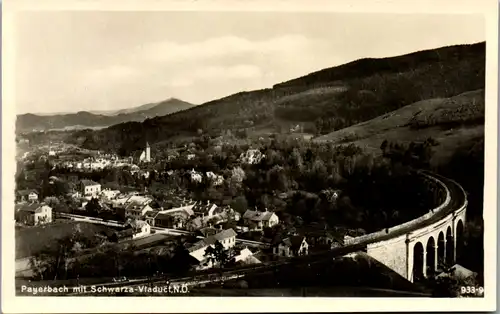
(55, 259)
(240, 204)
(181, 261)
(51, 201)
(93, 207)
(217, 254)
(238, 175)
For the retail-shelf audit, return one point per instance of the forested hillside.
(320, 103)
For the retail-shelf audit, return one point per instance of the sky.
(69, 61)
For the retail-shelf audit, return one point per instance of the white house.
(27, 195)
(196, 176)
(257, 220)
(33, 214)
(90, 188)
(136, 211)
(131, 198)
(134, 229)
(141, 229)
(251, 156)
(227, 238)
(110, 194)
(246, 257)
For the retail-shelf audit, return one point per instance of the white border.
(13, 304)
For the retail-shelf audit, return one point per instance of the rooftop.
(26, 192)
(203, 208)
(32, 208)
(86, 182)
(212, 239)
(256, 215)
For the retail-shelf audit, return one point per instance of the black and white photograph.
(192, 152)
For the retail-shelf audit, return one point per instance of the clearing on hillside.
(454, 122)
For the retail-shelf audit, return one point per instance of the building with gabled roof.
(150, 217)
(140, 228)
(226, 237)
(257, 220)
(33, 214)
(89, 187)
(29, 195)
(291, 246)
(206, 209)
(136, 210)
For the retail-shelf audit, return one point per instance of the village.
(137, 217)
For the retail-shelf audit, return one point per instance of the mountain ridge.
(321, 103)
(29, 121)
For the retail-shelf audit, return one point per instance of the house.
(176, 220)
(90, 188)
(207, 231)
(257, 220)
(323, 238)
(134, 229)
(207, 209)
(195, 224)
(243, 255)
(27, 195)
(131, 198)
(214, 178)
(251, 156)
(140, 228)
(33, 214)
(226, 237)
(150, 217)
(187, 210)
(136, 210)
(291, 246)
(110, 194)
(195, 176)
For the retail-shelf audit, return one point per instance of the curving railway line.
(395, 247)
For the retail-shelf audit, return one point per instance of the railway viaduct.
(417, 248)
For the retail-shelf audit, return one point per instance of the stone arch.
(459, 237)
(450, 247)
(418, 262)
(441, 251)
(430, 256)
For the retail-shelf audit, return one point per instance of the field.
(31, 240)
(444, 119)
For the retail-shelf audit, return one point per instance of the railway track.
(458, 199)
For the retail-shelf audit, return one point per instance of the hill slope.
(320, 102)
(454, 122)
(29, 122)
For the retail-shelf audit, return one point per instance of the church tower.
(148, 152)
